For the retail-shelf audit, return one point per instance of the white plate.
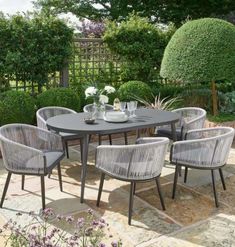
(116, 120)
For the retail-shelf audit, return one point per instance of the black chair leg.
(214, 189)
(180, 171)
(5, 188)
(60, 177)
(175, 181)
(125, 138)
(110, 139)
(89, 139)
(131, 202)
(100, 188)
(67, 149)
(49, 174)
(100, 139)
(22, 182)
(160, 193)
(222, 178)
(134, 188)
(81, 148)
(43, 192)
(185, 174)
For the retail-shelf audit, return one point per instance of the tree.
(158, 11)
(201, 51)
(140, 46)
(33, 47)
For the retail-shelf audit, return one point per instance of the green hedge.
(33, 46)
(139, 44)
(64, 97)
(16, 107)
(201, 51)
(131, 89)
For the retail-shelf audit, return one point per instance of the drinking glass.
(130, 108)
(134, 107)
(123, 106)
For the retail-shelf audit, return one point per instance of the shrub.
(131, 89)
(33, 46)
(64, 97)
(16, 107)
(227, 102)
(140, 46)
(201, 51)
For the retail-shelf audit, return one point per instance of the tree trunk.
(214, 98)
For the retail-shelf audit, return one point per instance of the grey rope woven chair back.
(46, 112)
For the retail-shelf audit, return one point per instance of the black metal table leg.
(84, 165)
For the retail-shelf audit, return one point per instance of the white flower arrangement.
(99, 95)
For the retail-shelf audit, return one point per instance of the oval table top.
(74, 123)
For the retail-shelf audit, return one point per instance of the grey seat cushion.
(52, 159)
(69, 136)
(168, 133)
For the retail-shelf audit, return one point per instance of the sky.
(13, 6)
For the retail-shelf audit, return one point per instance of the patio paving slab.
(217, 231)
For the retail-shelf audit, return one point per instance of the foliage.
(64, 97)
(33, 47)
(16, 107)
(91, 29)
(160, 103)
(164, 11)
(201, 51)
(131, 89)
(222, 117)
(167, 89)
(88, 231)
(197, 97)
(227, 102)
(4, 84)
(138, 43)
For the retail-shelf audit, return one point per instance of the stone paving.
(190, 220)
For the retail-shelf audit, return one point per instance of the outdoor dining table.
(74, 123)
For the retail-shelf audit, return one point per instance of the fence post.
(64, 76)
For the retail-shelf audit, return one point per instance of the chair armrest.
(194, 152)
(20, 158)
(41, 123)
(206, 133)
(143, 140)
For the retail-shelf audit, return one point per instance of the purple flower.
(90, 211)
(80, 222)
(59, 217)
(95, 223)
(114, 244)
(102, 245)
(69, 219)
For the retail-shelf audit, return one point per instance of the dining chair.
(28, 150)
(190, 118)
(205, 149)
(46, 112)
(88, 108)
(140, 162)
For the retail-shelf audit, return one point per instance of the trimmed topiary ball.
(201, 50)
(132, 89)
(64, 97)
(16, 107)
